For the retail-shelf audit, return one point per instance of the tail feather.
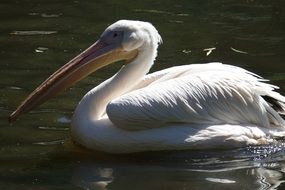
(276, 104)
(275, 108)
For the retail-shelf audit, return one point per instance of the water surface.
(39, 36)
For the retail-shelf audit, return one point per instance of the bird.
(186, 107)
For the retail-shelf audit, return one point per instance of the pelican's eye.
(110, 37)
(115, 34)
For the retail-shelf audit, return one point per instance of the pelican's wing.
(183, 70)
(161, 75)
(201, 94)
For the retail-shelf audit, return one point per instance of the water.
(38, 36)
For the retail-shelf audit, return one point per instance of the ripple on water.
(47, 143)
(265, 151)
(53, 128)
(32, 32)
(218, 180)
(41, 49)
(14, 88)
(45, 15)
(64, 120)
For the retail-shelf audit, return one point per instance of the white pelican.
(184, 107)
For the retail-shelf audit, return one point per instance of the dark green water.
(37, 36)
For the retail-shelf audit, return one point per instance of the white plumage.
(185, 107)
(198, 94)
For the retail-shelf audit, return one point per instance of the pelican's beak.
(95, 57)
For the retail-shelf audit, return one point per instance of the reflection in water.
(269, 179)
(91, 177)
(218, 180)
(98, 177)
(218, 170)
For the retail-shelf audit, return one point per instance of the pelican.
(196, 106)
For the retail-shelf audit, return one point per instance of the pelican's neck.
(93, 104)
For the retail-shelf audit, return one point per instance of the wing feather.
(201, 94)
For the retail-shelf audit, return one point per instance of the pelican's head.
(122, 40)
(131, 34)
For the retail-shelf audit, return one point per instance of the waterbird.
(196, 106)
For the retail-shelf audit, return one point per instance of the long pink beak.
(93, 58)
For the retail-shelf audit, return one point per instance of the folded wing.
(200, 94)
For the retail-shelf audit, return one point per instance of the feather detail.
(198, 94)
